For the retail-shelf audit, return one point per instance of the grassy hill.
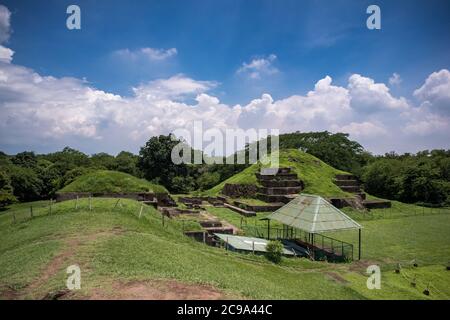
(111, 182)
(123, 256)
(316, 174)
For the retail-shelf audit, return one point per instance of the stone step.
(280, 190)
(245, 213)
(273, 198)
(281, 183)
(277, 177)
(352, 189)
(347, 182)
(275, 171)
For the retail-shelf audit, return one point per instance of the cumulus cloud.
(369, 96)
(6, 54)
(5, 27)
(259, 67)
(38, 111)
(435, 92)
(34, 109)
(174, 87)
(395, 79)
(151, 54)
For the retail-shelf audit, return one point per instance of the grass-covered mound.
(116, 250)
(111, 182)
(316, 174)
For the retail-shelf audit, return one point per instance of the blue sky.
(240, 50)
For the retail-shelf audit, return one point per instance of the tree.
(335, 149)
(26, 183)
(103, 160)
(156, 163)
(26, 159)
(127, 162)
(6, 190)
(380, 178)
(274, 251)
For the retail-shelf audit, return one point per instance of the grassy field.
(112, 182)
(112, 246)
(316, 174)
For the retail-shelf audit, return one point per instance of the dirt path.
(225, 224)
(62, 259)
(156, 290)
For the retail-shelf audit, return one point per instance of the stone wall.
(240, 190)
(163, 199)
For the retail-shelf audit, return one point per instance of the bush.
(274, 251)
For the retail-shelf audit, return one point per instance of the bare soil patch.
(157, 290)
(61, 260)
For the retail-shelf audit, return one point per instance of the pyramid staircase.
(278, 186)
(349, 183)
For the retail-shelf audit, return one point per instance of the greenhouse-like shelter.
(256, 245)
(306, 218)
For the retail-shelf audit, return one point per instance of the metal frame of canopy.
(314, 215)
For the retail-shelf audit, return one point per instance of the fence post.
(31, 212)
(50, 207)
(90, 203)
(253, 247)
(14, 218)
(76, 204)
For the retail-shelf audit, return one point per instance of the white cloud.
(369, 96)
(259, 67)
(435, 92)
(173, 87)
(38, 111)
(395, 79)
(5, 27)
(363, 130)
(151, 54)
(6, 54)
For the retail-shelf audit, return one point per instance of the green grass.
(423, 238)
(251, 201)
(111, 182)
(143, 249)
(316, 174)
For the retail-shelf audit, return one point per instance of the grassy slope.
(317, 175)
(111, 181)
(143, 250)
(389, 238)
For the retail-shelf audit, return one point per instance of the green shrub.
(274, 251)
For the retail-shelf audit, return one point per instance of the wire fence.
(321, 247)
(27, 211)
(398, 212)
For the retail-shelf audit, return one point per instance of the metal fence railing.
(321, 247)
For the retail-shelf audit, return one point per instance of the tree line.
(412, 178)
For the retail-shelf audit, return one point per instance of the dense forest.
(414, 178)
